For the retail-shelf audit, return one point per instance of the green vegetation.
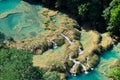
(115, 73)
(112, 15)
(17, 65)
(51, 76)
(91, 11)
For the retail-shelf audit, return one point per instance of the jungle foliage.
(17, 65)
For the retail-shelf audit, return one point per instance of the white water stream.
(54, 45)
(69, 41)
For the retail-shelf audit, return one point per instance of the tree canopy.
(17, 65)
(115, 73)
(112, 15)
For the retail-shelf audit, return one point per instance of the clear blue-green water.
(22, 20)
(8, 4)
(107, 57)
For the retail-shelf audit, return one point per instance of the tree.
(112, 15)
(115, 73)
(114, 22)
(17, 65)
(82, 10)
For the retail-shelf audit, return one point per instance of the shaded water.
(106, 58)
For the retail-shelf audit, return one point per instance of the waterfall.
(88, 64)
(73, 68)
(74, 61)
(70, 58)
(54, 45)
(92, 68)
(80, 51)
(75, 64)
(84, 68)
(70, 42)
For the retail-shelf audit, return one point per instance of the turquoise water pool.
(8, 4)
(22, 20)
(104, 60)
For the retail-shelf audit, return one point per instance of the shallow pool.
(23, 23)
(8, 4)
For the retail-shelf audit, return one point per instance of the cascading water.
(76, 63)
(80, 51)
(69, 41)
(73, 69)
(88, 64)
(95, 74)
(84, 68)
(74, 66)
(54, 45)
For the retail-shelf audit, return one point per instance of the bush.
(115, 73)
(52, 76)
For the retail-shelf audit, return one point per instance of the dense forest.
(17, 65)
